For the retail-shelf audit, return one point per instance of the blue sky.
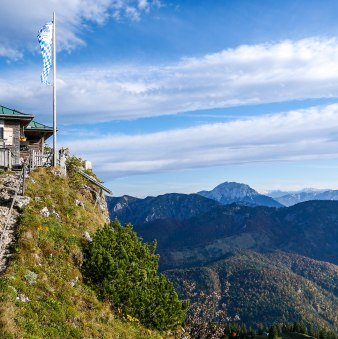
(167, 96)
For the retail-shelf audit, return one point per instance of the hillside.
(172, 205)
(270, 256)
(212, 234)
(42, 291)
(265, 288)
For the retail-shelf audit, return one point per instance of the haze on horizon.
(179, 96)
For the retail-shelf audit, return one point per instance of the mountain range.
(187, 237)
(278, 193)
(292, 198)
(280, 262)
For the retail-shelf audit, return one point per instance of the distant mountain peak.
(236, 187)
(234, 192)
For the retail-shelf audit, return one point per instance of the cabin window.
(8, 135)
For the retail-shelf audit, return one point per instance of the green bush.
(124, 270)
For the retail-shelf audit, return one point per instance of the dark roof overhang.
(12, 114)
(37, 129)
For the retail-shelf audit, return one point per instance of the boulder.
(21, 202)
(45, 212)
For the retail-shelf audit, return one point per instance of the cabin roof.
(6, 112)
(37, 126)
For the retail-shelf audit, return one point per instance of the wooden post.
(43, 144)
(24, 178)
(54, 91)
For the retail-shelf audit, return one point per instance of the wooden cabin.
(35, 135)
(19, 134)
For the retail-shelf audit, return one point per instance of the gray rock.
(5, 195)
(57, 172)
(45, 212)
(3, 211)
(23, 298)
(74, 281)
(87, 236)
(79, 203)
(21, 202)
(56, 214)
(8, 185)
(10, 181)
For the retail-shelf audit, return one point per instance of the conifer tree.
(252, 332)
(124, 270)
(302, 328)
(311, 330)
(273, 332)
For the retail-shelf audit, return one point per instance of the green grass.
(49, 248)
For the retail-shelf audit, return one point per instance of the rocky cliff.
(12, 203)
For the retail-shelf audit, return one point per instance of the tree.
(244, 329)
(273, 332)
(312, 331)
(296, 327)
(206, 316)
(322, 334)
(124, 270)
(302, 328)
(252, 332)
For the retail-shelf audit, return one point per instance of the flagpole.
(54, 92)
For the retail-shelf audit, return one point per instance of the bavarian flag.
(45, 38)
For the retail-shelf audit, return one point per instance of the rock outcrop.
(9, 185)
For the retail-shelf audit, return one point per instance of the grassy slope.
(51, 248)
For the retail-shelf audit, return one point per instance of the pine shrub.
(124, 270)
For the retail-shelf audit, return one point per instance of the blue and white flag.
(45, 38)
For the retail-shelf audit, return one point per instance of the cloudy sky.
(178, 96)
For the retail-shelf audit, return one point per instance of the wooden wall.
(15, 147)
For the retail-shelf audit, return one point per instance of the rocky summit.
(230, 192)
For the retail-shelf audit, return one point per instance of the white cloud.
(254, 74)
(143, 5)
(10, 53)
(20, 20)
(292, 136)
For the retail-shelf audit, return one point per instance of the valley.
(270, 264)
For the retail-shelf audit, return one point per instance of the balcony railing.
(6, 158)
(39, 159)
